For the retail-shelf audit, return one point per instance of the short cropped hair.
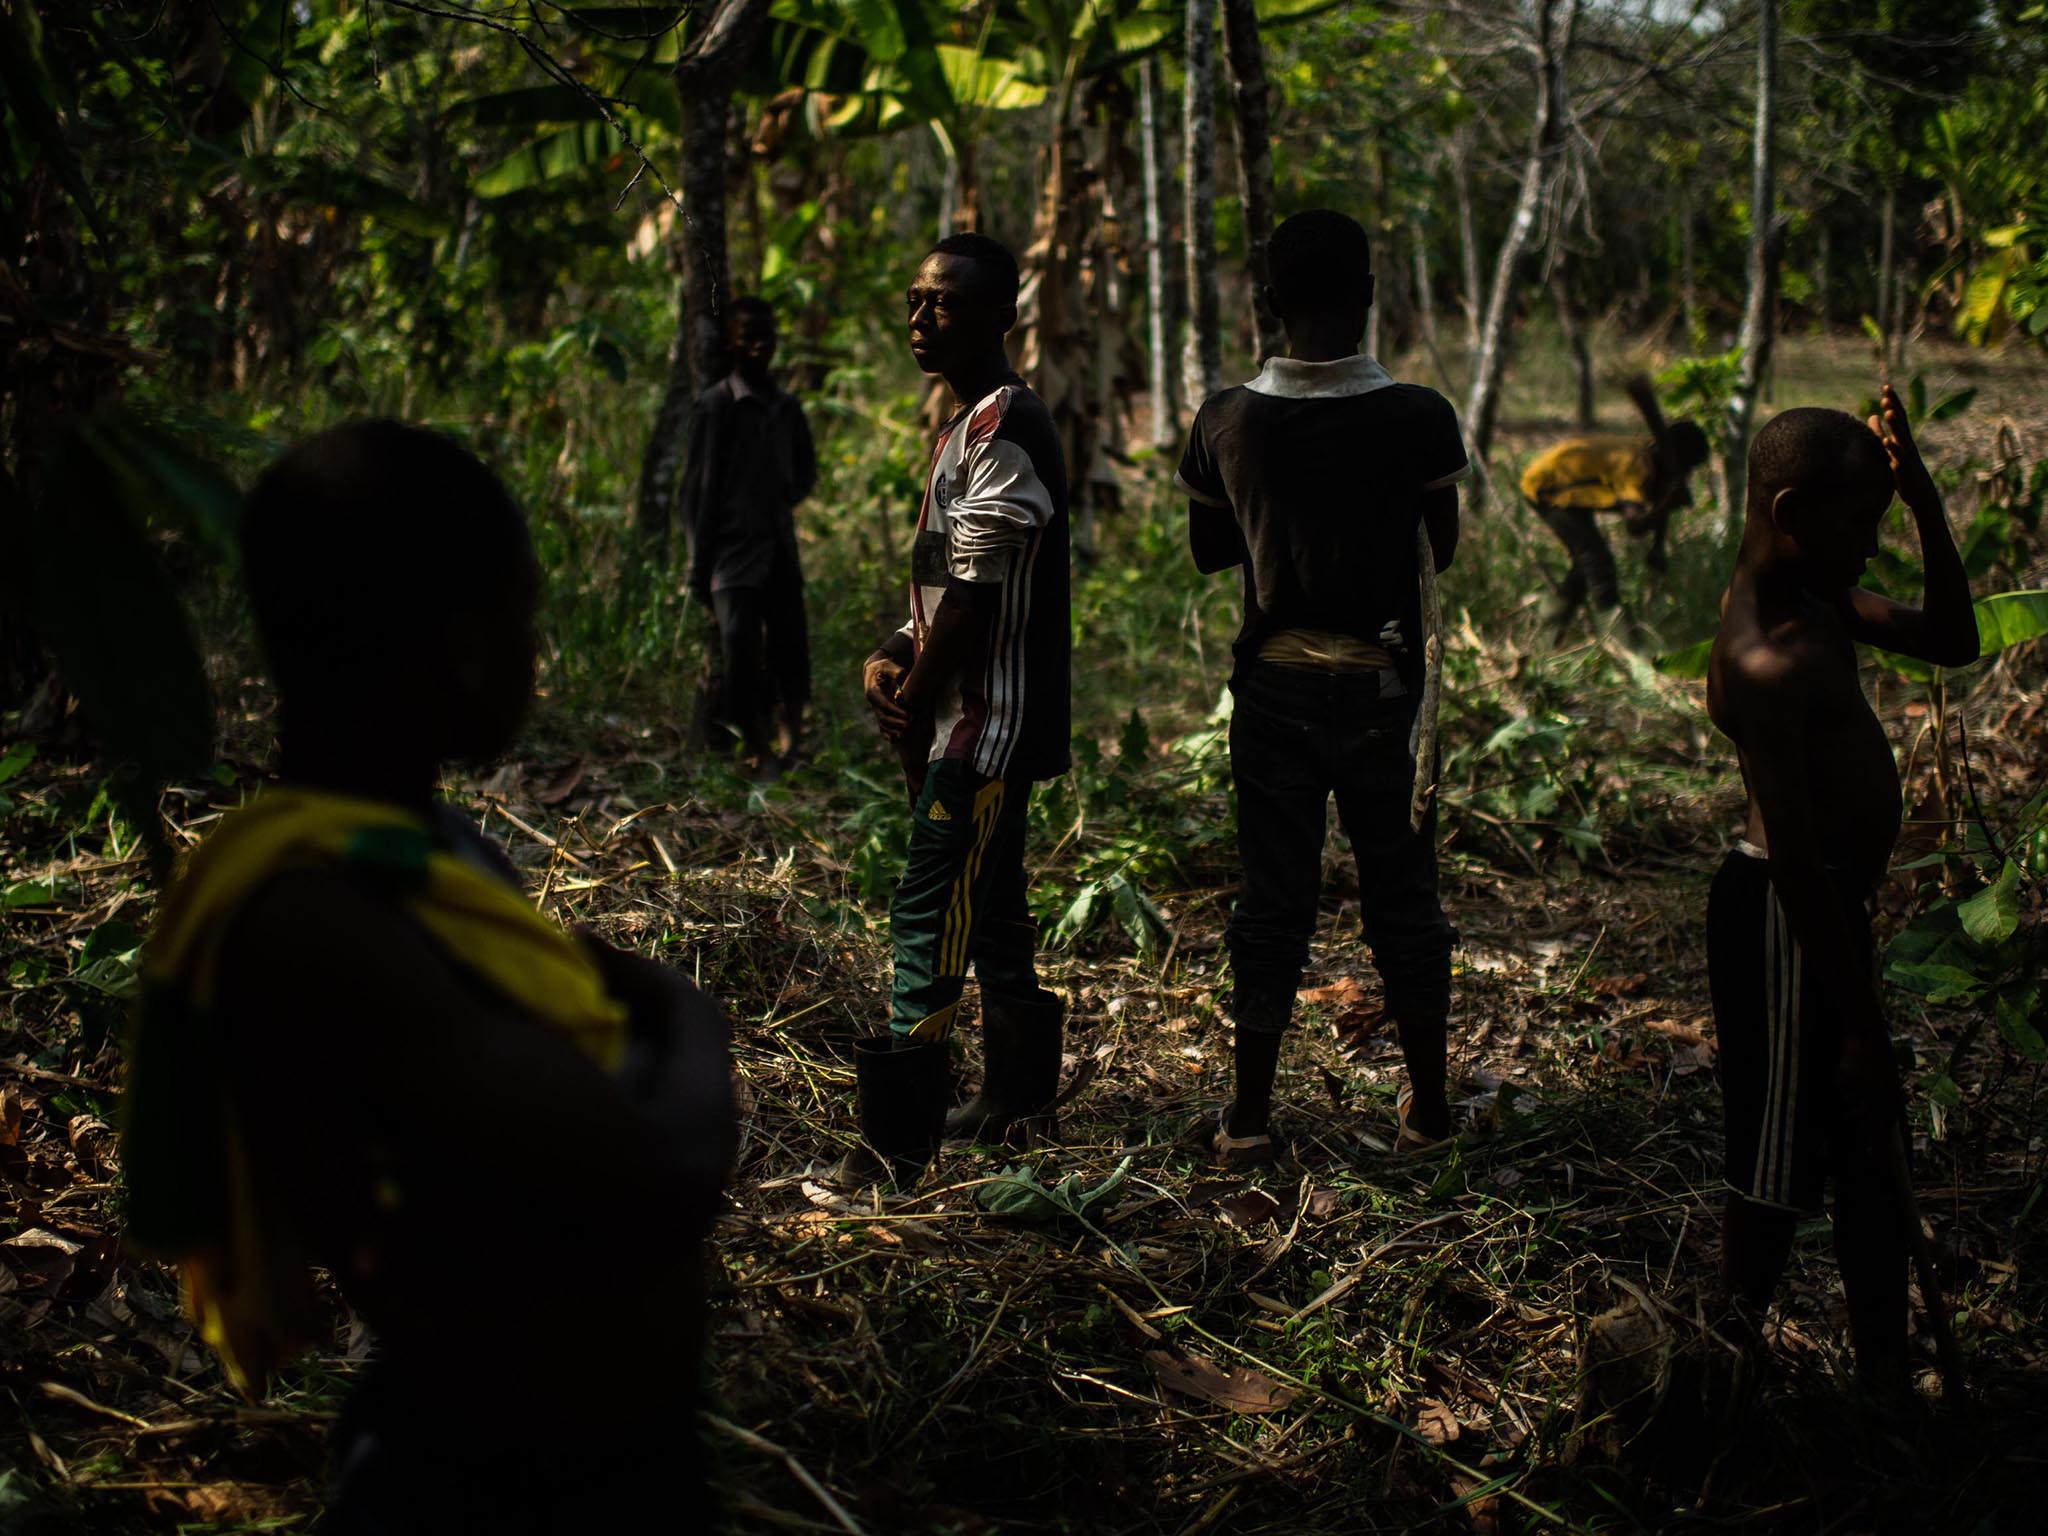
(751, 304)
(1812, 448)
(1318, 257)
(361, 539)
(998, 266)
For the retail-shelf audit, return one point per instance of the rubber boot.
(902, 1109)
(1020, 1052)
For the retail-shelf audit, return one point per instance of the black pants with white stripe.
(1780, 1038)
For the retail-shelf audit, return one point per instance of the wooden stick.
(1423, 736)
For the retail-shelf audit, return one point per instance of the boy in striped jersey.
(1809, 1086)
(973, 691)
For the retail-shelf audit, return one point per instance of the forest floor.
(1109, 1335)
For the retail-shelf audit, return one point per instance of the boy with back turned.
(1315, 478)
(1809, 1087)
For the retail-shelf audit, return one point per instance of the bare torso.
(1854, 778)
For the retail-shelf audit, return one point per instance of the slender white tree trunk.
(1159, 331)
(1551, 45)
(1425, 301)
(1688, 282)
(1760, 307)
(1472, 297)
(1202, 362)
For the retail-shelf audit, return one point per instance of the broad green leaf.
(104, 604)
(1950, 406)
(1936, 983)
(1992, 915)
(1688, 663)
(17, 757)
(29, 893)
(1934, 938)
(2016, 1008)
(2009, 619)
(584, 147)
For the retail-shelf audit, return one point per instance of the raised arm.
(1943, 630)
(1642, 395)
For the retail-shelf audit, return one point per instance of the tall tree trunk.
(704, 76)
(1159, 306)
(1425, 301)
(1688, 279)
(1887, 225)
(1246, 62)
(1759, 310)
(1472, 297)
(1551, 44)
(1823, 277)
(1202, 362)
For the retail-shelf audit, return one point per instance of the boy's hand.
(882, 681)
(1909, 472)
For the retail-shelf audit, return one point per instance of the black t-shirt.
(1319, 469)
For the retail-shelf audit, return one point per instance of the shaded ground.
(1106, 1335)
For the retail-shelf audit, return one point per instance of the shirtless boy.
(360, 1048)
(1809, 1086)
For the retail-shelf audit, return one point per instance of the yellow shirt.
(1593, 473)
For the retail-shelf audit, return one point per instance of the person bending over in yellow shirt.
(1642, 479)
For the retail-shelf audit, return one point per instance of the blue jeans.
(1297, 736)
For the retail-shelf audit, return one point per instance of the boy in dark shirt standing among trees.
(973, 691)
(1315, 477)
(750, 463)
(1809, 1087)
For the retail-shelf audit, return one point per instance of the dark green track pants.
(962, 898)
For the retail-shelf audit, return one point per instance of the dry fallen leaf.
(1621, 986)
(1435, 1422)
(1323, 1204)
(41, 1259)
(10, 1116)
(1240, 1388)
(1248, 1208)
(1345, 992)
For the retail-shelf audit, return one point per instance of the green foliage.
(1017, 1193)
(1987, 950)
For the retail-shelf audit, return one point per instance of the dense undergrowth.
(1105, 1335)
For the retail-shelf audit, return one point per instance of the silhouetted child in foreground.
(1643, 480)
(750, 463)
(360, 1047)
(1809, 1086)
(1314, 478)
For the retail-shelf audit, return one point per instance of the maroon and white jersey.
(995, 515)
